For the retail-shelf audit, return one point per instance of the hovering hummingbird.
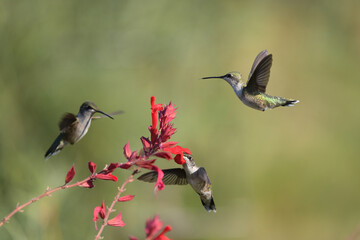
(73, 128)
(253, 93)
(192, 174)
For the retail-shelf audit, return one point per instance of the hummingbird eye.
(228, 75)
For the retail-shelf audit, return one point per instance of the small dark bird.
(73, 128)
(192, 174)
(253, 93)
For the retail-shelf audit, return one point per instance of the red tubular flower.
(146, 143)
(153, 226)
(87, 184)
(168, 145)
(162, 236)
(96, 213)
(116, 221)
(108, 176)
(179, 159)
(179, 153)
(154, 109)
(126, 198)
(166, 132)
(112, 167)
(92, 167)
(125, 165)
(70, 175)
(165, 155)
(167, 114)
(99, 211)
(103, 210)
(159, 185)
(177, 150)
(127, 151)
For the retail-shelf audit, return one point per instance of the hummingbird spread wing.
(260, 72)
(111, 114)
(173, 176)
(67, 122)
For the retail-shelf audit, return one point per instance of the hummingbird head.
(91, 108)
(233, 78)
(189, 160)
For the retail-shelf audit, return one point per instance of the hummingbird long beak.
(98, 111)
(221, 77)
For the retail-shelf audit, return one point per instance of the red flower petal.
(147, 164)
(133, 238)
(168, 144)
(127, 151)
(155, 107)
(145, 142)
(133, 155)
(96, 213)
(116, 221)
(126, 198)
(103, 210)
(177, 150)
(125, 165)
(168, 114)
(179, 159)
(70, 175)
(106, 177)
(99, 211)
(166, 132)
(87, 184)
(112, 167)
(165, 155)
(92, 167)
(152, 226)
(162, 236)
(159, 185)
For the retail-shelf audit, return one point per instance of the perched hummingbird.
(253, 93)
(192, 174)
(73, 128)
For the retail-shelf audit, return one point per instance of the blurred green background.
(289, 173)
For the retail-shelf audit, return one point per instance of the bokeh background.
(289, 173)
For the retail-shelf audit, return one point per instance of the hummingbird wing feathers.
(260, 72)
(67, 121)
(68, 128)
(173, 176)
(257, 60)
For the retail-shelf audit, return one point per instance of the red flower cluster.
(105, 174)
(153, 226)
(157, 145)
(101, 211)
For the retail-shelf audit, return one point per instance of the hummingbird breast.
(254, 100)
(77, 131)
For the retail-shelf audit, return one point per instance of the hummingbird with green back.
(253, 93)
(73, 128)
(189, 174)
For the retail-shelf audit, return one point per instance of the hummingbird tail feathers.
(56, 147)
(290, 103)
(208, 204)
